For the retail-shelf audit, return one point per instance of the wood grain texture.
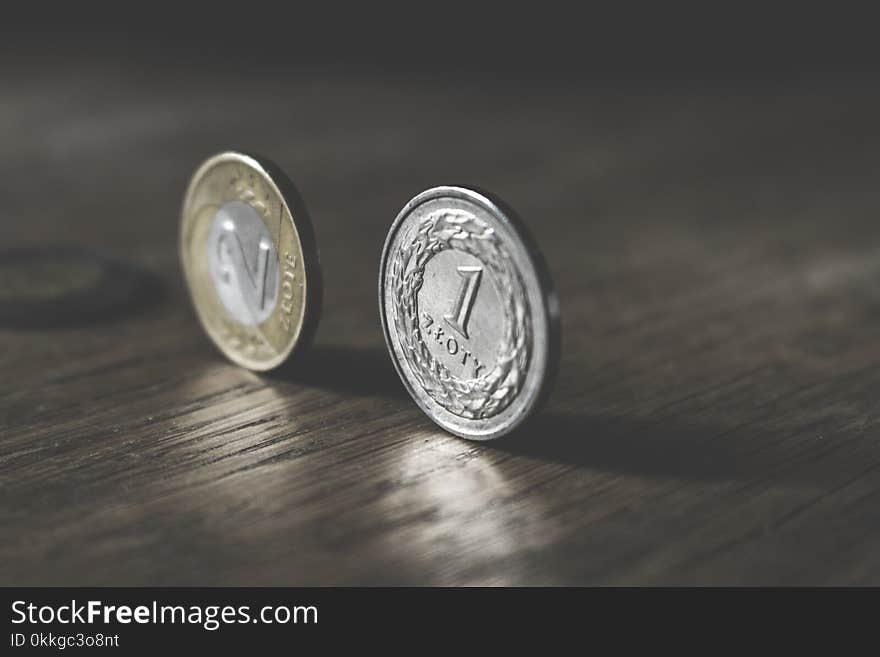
(715, 420)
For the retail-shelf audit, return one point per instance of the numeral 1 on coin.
(457, 318)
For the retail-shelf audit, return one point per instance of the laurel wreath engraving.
(491, 393)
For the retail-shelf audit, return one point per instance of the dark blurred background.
(547, 40)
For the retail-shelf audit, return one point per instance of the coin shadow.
(122, 289)
(365, 371)
(136, 292)
(646, 447)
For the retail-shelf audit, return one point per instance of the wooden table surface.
(716, 247)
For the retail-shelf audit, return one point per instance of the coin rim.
(503, 213)
(289, 195)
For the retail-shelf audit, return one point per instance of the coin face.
(469, 312)
(250, 260)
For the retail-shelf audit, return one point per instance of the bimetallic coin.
(250, 260)
(469, 312)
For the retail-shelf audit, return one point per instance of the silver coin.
(469, 312)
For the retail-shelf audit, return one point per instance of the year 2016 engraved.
(287, 281)
(451, 345)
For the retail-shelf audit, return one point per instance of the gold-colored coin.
(250, 260)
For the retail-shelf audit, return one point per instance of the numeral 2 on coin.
(235, 252)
